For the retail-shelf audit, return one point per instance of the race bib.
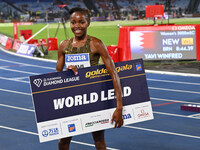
(78, 60)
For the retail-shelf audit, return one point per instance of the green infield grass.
(107, 31)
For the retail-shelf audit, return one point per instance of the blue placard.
(65, 95)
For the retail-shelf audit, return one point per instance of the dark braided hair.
(82, 10)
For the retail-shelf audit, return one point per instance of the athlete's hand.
(117, 117)
(73, 68)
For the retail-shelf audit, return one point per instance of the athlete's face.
(79, 24)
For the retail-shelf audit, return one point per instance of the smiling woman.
(92, 48)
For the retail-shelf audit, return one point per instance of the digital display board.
(163, 45)
(154, 10)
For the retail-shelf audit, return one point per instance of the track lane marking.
(19, 78)
(15, 107)
(171, 100)
(13, 79)
(11, 91)
(18, 130)
(164, 132)
(30, 65)
(175, 115)
(173, 90)
(172, 73)
(33, 133)
(169, 81)
(164, 104)
(197, 115)
(13, 70)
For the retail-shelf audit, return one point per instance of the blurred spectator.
(119, 9)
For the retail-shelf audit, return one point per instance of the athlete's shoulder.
(94, 39)
(97, 46)
(95, 42)
(63, 44)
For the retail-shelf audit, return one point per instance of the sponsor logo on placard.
(77, 57)
(59, 80)
(37, 82)
(71, 127)
(104, 72)
(127, 116)
(143, 114)
(98, 122)
(79, 60)
(50, 132)
(138, 67)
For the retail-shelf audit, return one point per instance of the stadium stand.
(34, 10)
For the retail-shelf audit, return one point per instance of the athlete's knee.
(65, 141)
(99, 140)
(98, 136)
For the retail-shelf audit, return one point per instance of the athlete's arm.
(98, 47)
(61, 56)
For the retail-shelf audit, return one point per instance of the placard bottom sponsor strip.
(89, 122)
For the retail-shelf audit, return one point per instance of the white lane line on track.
(13, 70)
(18, 130)
(92, 145)
(11, 91)
(17, 78)
(175, 115)
(159, 131)
(164, 132)
(32, 133)
(145, 129)
(173, 90)
(169, 81)
(173, 73)
(195, 115)
(170, 100)
(30, 65)
(14, 79)
(19, 108)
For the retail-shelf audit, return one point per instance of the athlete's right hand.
(73, 68)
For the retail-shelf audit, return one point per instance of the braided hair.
(82, 10)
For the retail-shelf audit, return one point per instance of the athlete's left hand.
(117, 117)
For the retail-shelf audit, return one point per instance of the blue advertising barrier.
(26, 49)
(67, 104)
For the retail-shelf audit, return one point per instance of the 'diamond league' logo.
(37, 82)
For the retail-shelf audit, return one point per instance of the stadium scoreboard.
(162, 42)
